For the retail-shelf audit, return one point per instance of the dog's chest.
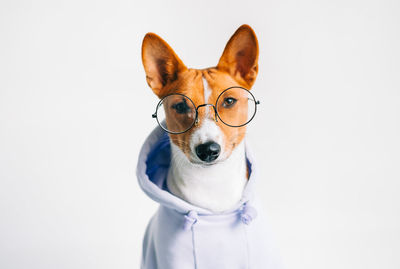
(217, 188)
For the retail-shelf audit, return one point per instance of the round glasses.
(235, 107)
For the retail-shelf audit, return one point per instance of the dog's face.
(209, 141)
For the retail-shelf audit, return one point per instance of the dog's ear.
(240, 56)
(160, 62)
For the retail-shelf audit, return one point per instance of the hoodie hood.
(152, 170)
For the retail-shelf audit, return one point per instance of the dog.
(196, 163)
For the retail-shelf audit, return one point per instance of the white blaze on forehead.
(207, 90)
(207, 94)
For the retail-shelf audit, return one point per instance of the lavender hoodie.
(183, 236)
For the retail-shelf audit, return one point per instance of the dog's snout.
(208, 152)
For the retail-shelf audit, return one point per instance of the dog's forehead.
(217, 80)
(194, 82)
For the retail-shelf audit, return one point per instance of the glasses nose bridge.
(206, 105)
(202, 105)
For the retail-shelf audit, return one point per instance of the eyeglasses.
(235, 107)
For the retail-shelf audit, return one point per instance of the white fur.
(207, 90)
(216, 187)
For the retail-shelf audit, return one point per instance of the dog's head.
(209, 140)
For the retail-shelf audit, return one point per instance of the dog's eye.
(181, 107)
(228, 102)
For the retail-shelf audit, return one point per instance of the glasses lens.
(176, 113)
(236, 106)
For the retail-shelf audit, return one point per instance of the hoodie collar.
(152, 170)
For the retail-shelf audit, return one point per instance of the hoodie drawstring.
(247, 214)
(190, 219)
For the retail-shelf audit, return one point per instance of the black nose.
(208, 152)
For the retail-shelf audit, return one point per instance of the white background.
(75, 109)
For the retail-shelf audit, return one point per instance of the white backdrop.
(75, 109)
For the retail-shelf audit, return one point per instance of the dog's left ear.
(240, 56)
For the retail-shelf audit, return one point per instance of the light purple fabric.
(183, 236)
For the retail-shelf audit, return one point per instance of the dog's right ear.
(161, 64)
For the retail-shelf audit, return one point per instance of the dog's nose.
(208, 152)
